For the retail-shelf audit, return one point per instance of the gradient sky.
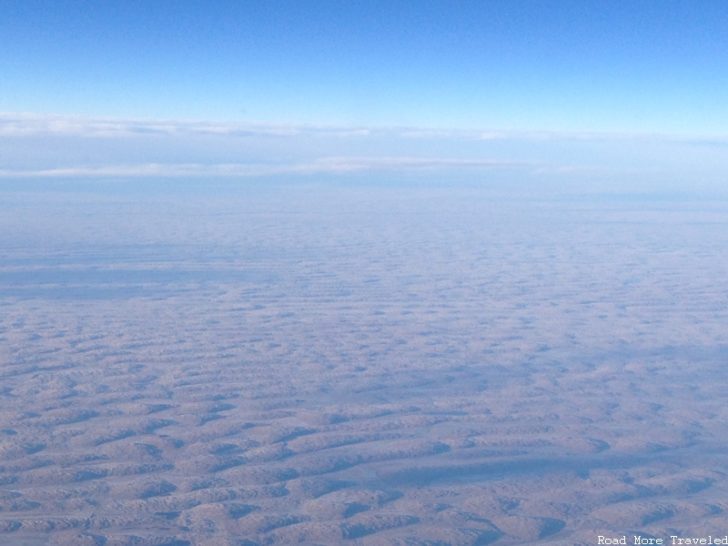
(591, 93)
(561, 65)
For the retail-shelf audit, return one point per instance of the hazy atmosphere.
(367, 273)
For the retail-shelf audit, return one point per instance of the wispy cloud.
(28, 124)
(331, 165)
(15, 125)
(46, 146)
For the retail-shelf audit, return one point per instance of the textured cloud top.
(365, 364)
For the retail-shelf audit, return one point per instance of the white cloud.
(18, 125)
(28, 124)
(329, 165)
(47, 146)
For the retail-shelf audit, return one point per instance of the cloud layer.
(28, 124)
(48, 146)
(331, 365)
(331, 165)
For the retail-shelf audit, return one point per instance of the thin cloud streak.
(27, 124)
(18, 125)
(332, 165)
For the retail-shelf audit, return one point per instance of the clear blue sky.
(623, 66)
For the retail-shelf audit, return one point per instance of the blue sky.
(559, 65)
(558, 72)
